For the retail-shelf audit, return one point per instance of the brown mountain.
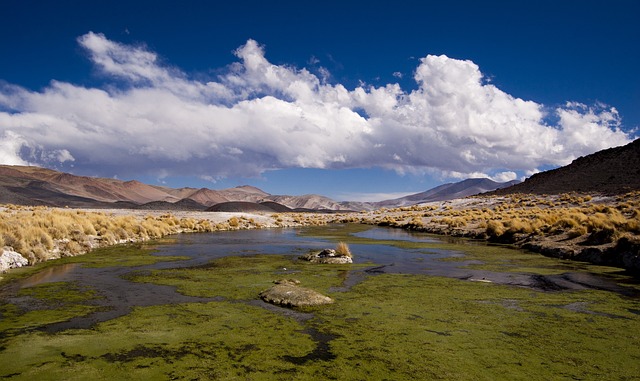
(28, 185)
(46, 185)
(611, 171)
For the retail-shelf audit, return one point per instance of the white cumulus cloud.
(258, 116)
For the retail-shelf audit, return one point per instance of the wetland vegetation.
(411, 306)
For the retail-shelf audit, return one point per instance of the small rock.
(327, 253)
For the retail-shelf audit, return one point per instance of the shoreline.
(602, 230)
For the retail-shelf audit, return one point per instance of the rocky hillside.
(611, 171)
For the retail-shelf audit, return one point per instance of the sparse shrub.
(188, 223)
(632, 225)
(518, 225)
(495, 228)
(342, 249)
(72, 248)
(234, 222)
(416, 221)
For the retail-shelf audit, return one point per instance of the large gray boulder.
(288, 293)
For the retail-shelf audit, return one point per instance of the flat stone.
(287, 293)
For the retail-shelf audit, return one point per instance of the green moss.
(58, 293)
(505, 259)
(131, 255)
(188, 341)
(413, 327)
(48, 303)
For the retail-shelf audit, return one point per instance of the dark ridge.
(276, 206)
(327, 211)
(39, 193)
(240, 206)
(120, 205)
(611, 171)
(184, 204)
(8, 196)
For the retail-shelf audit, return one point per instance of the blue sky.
(333, 98)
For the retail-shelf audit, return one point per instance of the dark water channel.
(120, 295)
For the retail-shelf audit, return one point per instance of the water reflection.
(51, 274)
(387, 234)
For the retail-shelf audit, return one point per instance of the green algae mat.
(382, 326)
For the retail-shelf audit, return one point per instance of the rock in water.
(326, 256)
(287, 293)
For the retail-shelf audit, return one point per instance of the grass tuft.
(342, 249)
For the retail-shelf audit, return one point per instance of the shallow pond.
(412, 306)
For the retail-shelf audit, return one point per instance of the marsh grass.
(458, 330)
(48, 303)
(390, 326)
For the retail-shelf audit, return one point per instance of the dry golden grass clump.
(40, 233)
(583, 219)
(342, 249)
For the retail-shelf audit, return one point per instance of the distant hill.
(27, 185)
(240, 206)
(276, 207)
(308, 202)
(450, 191)
(611, 171)
(184, 204)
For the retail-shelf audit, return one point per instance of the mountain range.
(30, 185)
(611, 171)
